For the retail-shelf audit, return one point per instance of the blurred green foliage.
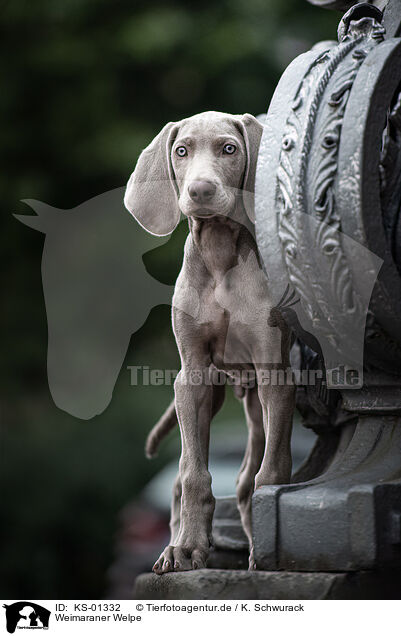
(86, 84)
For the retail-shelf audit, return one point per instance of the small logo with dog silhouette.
(26, 615)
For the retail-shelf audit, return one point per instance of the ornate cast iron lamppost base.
(328, 198)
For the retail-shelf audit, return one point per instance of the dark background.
(85, 85)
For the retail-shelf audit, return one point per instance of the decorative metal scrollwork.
(315, 205)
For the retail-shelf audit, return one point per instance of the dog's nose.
(201, 191)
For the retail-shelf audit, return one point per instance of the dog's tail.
(166, 423)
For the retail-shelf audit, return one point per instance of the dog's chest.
(225, 306)
(217, 244)
(242, 292)
(236, 309)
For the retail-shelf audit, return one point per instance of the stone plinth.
(236, 584)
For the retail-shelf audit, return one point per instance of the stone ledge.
(236, 584)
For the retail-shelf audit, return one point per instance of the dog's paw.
(177, 559)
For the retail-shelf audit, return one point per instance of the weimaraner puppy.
(204, 167)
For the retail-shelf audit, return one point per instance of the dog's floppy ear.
(251, 130)
(151, 194)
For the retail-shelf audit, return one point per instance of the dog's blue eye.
(229, 149)
(181, 151)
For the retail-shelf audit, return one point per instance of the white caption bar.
(126, 617)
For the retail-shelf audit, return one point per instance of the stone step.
(237, 585)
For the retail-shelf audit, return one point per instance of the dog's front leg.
(277, 404)
(218, 399)
(278, 407)
(190, 546)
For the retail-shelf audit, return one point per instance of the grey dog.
(204, 167)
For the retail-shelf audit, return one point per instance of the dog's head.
(199, 166)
